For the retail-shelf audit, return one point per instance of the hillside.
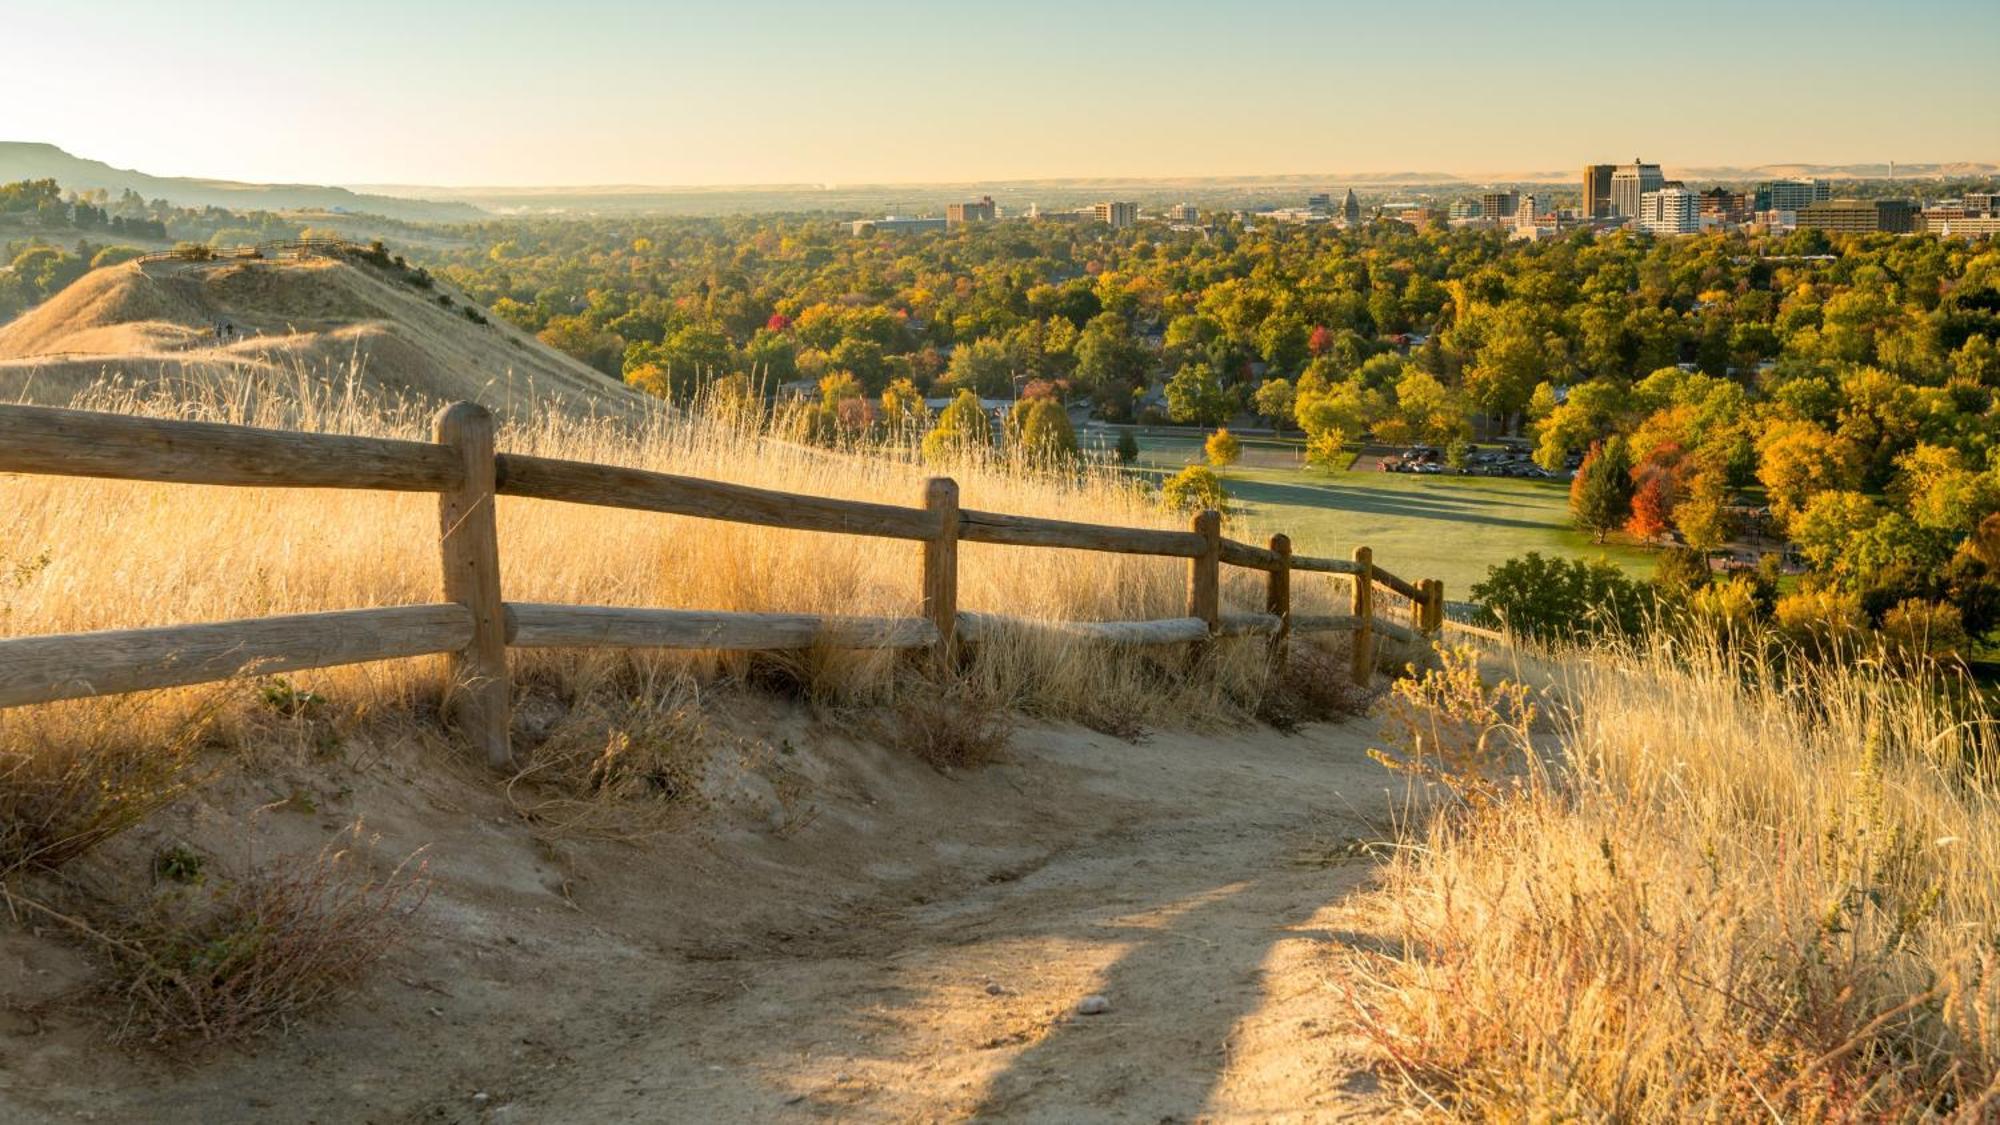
(147, 322)
(24, 160)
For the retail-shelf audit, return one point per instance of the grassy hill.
(395, 330)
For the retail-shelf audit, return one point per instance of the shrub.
(1921, 632)
(59, 801)
(1222, 448)
(1563, 599)
(1046, 435)
(1194, 488)
(1680, 571)
(1822, 621)
(248, 955)
(953, 725)
(1313, 685)
(1128, 447)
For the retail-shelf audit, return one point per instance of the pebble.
(995, 990)
(1093, 1006)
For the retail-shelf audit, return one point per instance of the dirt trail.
(914, 950)
(1195, 914)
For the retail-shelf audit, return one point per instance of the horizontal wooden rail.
(1324, 622)
(1407, 589)
(1460, 627)
(581, 482)
(77, 665)
(1325, 566)
(530, 625)
(83, 443)
(1164, 631)
(1245, 555)
(1032, 531)
(1250, 625)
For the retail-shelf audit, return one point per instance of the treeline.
(1846, 382)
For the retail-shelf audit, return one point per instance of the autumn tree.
(1222, 448)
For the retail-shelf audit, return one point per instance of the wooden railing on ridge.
(475, 625)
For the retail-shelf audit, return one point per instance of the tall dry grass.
(86, 554)
(1724, 891)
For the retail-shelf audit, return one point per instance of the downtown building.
(1116, 215)
(1631, 181)
(1790, 195)
(1672, 209)
(1861, 216)
(980, 210)
(1596, 191)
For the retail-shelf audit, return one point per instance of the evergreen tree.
(1600, 498)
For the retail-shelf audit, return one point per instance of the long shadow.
(1094, 1067)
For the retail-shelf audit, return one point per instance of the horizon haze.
(769, 92)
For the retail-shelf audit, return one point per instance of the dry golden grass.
(87, 554)
(1727, 893)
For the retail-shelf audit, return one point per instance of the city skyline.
(775, 92)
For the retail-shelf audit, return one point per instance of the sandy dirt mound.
(841, 933)
(158, 322)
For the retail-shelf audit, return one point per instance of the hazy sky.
(765, 91)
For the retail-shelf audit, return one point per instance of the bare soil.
(839, 933)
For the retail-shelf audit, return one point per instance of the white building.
(1671, 210)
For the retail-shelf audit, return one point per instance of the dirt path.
(1195, 914)
(885, 944)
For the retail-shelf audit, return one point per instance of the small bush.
(1563, 599)
(621, 771)
(1920, 632)
(1313, 685)
(1455, 729)
(1194, 488)
(952, 725)
(59, 801)
(248, 956)
(1222, 448)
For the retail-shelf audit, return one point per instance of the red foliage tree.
(1651, 508)
(1320, 340)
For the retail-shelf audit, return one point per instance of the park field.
(1447, 527)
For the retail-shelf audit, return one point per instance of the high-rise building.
(1725, 206)
(1499, 204)
(1320, 201)
(1791, 195)
(1350, 208)
(1629, 182)
(978, 211)
(1673, 209)
(1117, 215)
(1184, 213)
(1597, 191)
(1860, 216)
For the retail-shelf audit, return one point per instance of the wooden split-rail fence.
(474, 625)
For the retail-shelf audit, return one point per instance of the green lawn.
(1446, 527)
(1451, 528)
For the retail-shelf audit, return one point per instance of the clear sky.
(492, 92)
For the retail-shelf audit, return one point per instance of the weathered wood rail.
(475, 626)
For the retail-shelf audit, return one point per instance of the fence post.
(1434, 608)
(1364, 617)
(1278, 594)
(470, 544)
(1420, 606)
(1205, 572)
(940, 594)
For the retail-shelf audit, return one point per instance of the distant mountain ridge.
(28, 160)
